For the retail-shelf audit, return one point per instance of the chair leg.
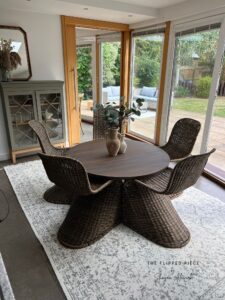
(57, 195)
(153, 216)
(91, 217)
(81, 127)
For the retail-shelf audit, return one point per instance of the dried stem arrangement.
(9, 59)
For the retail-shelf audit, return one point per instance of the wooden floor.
(29, 269)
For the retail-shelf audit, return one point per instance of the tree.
(84, 71)
(111, 63)
(147, 62)
(147, 72)
(204, 44)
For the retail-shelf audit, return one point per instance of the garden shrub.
(203, 87)
(84, 71)
(181, 91)
(147, 72)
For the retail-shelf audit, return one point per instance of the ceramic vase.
(123, 144)
(113, 141)
(123, 126)
(4, 75)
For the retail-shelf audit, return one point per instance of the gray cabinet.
(25, 101)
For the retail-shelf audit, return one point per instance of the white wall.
(45, 47)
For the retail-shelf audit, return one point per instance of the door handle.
(75, 85)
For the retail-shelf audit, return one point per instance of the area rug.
(124, 265)
(6, 292)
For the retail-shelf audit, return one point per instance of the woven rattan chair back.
(187, 172)
(43, 138)
(67, 173)
(99, 125)
(182, 138)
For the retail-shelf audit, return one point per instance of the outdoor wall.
(46, 54)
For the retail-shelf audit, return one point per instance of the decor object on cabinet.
(25, 101)
(14, 54)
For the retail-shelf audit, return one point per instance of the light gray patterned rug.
(6, 292)
(124, 265)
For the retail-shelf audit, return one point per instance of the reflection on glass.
(216, 163)
(195, 54)
(147, 56)
(51, 112)
(84, 72)
(22, 111)
(111, 72)
(18, 42)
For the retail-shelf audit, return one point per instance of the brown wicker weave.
(96, 207)
(91, 217)
(148, 211)
(160, 181)
(70, 178)
(182, 138)
(45, 143)
(43, 138)
(99, 124)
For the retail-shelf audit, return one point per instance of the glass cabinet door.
(50, 113)
(21, 110)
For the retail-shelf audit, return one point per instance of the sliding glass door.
(195, 54)
(216, 163)
(198, 89)
(147, 48)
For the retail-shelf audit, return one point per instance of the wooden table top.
(140, 159)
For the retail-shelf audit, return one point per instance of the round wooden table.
(141, 159)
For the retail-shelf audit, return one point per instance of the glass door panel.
(216, 163)
(110, 71)
(147, 57)
(195, 53)
(21, 111)
(85, 80)
(51, 113)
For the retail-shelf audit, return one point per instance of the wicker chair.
(55, 194)
(99, 125)
(146, 205)
(182, 138)
(44, 141)
(96, 207)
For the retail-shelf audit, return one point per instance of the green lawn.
(200, 105)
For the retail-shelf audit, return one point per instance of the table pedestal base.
(153, 216)
(91, 217)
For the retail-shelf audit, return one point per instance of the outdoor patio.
(145, 127)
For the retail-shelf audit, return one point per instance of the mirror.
(19, 43)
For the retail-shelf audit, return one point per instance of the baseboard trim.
(4, 156)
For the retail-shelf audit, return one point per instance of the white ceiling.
(122, 11)
(152, 3)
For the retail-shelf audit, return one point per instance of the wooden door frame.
(163, 78)
(69, 49)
